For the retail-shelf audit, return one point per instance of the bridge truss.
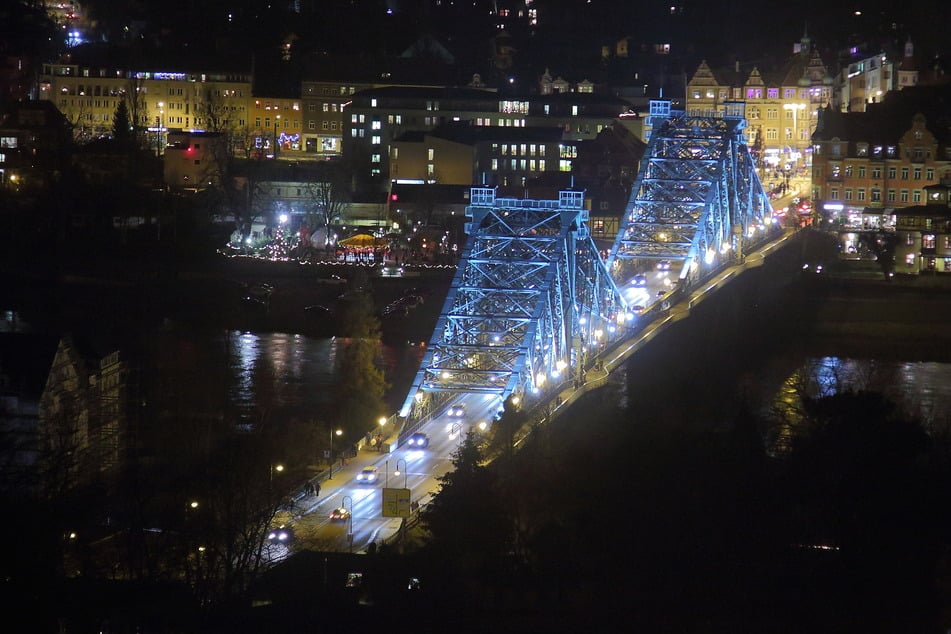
(697, 202)
(531, 296)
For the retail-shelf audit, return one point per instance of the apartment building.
(868, 164)
(781, 108)
(923, 234)
(157, 100)
(376, 117)
(463, 154)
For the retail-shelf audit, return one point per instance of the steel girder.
(696, 198)
(530, 286)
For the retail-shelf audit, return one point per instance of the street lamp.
(161, 126)
(397, 472)
(349, 519)
(277, 120)
(276, 467)
(795, 108)
(337, 432)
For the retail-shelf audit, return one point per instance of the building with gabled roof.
(867, 165)
(781, 106)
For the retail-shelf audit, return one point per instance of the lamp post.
(276, 467)
(795, 108)
(161, 126)
(336, 432)
(349, 519)
(277, 120)
(397, 472)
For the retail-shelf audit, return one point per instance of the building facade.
(923, 235)
(35, 142)
(868, 164)
(781, 108)
(375, 118)
(158, 101)
(463, 154)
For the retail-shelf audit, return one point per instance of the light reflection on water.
(254, 377)
(920, 389)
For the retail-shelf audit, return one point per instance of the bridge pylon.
(697, 204)
(530, 299)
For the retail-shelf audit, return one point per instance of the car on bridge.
(369, 475)
(419, 440)
(663, 265)
(456, 411)
(638, 281)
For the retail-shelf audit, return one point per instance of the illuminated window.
(376, 124)
(848, 193)
(927, 241)
(375, 140)
(861, 193)
(373, 103)
(541, 165)
(374, 158)
(916, 196)
(430, 153)
(861, 171)
(910, 259)
(495, 164)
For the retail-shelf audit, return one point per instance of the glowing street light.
(336, 432)
(276, 467)
(397, 472)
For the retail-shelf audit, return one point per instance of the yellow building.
(88, 97)
(869, 164)
(275, 121)
(781, 108)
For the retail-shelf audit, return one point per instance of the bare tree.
(138, 109)
(329, 198)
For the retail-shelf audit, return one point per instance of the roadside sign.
(396, 502)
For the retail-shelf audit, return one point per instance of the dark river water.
(249, 375)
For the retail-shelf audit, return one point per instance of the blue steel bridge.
(533, 301)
